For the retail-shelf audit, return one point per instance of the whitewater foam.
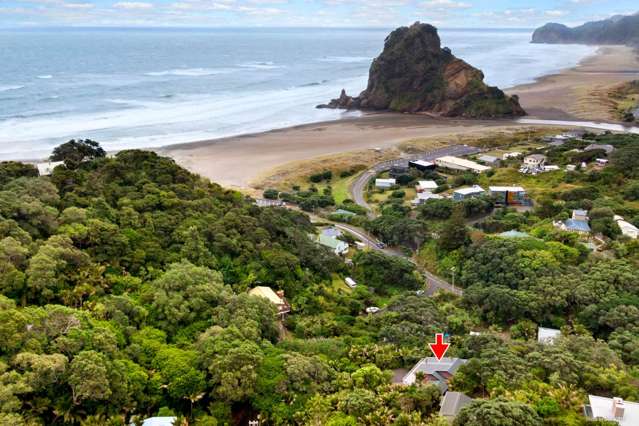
(10, 87)
(190, 72)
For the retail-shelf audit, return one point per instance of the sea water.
(133, 88)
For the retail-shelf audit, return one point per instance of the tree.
(454, 235)
(74, 152)
(626, 160)
(497, 412)
(89, 377)
(10, 170)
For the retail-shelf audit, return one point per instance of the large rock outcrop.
(615, 30)
(415, 74)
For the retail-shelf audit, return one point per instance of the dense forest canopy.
(124, 294)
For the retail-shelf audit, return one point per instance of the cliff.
(615, 30)
(415, 74)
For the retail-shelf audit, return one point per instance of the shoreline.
(237, 161)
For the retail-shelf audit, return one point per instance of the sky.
(310, 13)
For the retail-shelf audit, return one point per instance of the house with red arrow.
(435, 371)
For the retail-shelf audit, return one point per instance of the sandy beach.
(576, 93)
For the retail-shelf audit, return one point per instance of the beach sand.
(238, 162)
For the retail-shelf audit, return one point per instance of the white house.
(384, 183)
(456, 163)
(350, 282)
(46, 169)
(547, 336)
(423, 197)
(426, 185)
(535, 161)
(627, 228)
(513, 154)
(158, 421)
(625, 413)
(469, 192)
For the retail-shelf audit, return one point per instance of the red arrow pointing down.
(439, 348)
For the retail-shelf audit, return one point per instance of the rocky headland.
(414, 74)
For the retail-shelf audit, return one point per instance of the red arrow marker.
(439, 348)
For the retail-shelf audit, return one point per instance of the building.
(46, 169)
(581, 215)
(158, 421)
(265, 202)
(604, 147)
(350, 282)
(397, 171)
(276, 298)
(489, 160)
(469, 192)
(513, 154)
(423, 197)
(571, 225)
(535, 161)
(338, 247)
(421, 165)
(625, 413)
(627, 228)
(385, 183)
(434, 371)
(344, 212)
(456, 163)
(332, 232)
(452, 403)
(426, 185)
(547, 336)
(509, 195)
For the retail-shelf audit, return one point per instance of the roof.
(470, 190)
(385, 181)
(45, 169)
(432, 366)
(537, 157)
(577, 225)
(428, 196)
(427, 184)
(601, 407)
(332, 242)
(506, 189)
(331, 232)
(345, 212)
(267, 293)
(423, 163)
(488, 158)
(627, 228)
(159, 421)
(452, 403)
(579, 212)
(461, 162)
(547, 335)
(514, 234)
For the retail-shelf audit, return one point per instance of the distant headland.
(414, 74)
(619, 30)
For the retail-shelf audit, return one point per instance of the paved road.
(434, 282)
(358, 187)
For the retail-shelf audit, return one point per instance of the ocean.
(133, 88)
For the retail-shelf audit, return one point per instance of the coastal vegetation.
(124, 294)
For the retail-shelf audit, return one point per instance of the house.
(571, 167)
(513, 154)
(350, 282)
(601, 161)
(276, 298)
(509, 195)
(423, 197)
(625, 413)
(384, 183)
(557, 139)
(452, 403)
(456, 163)
(581, 215)
(547, 336)
(470, 192)
(158, 421)
(604, 147)
(46, 169)
(549, 168)
(577, 223)
(434, 371)
(421, 165)
(535, 161)
(489, 159)
(337, 246)
(426, 185)
(571, 225)
(265, 202)
(332, 232)
(627, 228)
